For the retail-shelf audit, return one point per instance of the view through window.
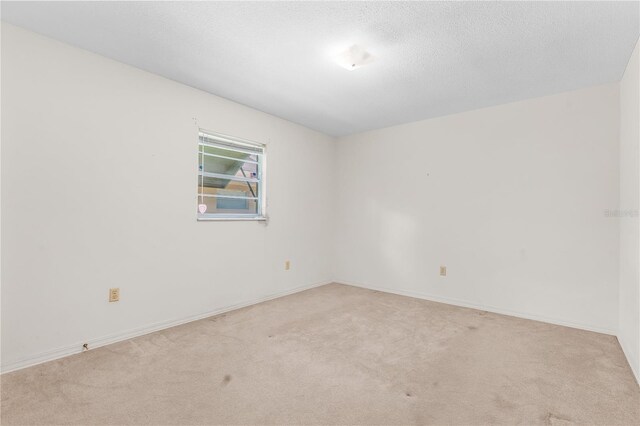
(230, 178)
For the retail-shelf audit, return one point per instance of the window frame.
(234, 144)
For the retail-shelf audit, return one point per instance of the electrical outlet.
(443, 271)
(287, 265)
(114, 294)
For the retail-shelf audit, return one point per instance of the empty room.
(320, 213)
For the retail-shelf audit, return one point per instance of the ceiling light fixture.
(354, 57)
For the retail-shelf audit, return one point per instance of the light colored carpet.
(337, 355)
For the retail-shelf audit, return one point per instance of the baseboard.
(467, 304)
(128, 334)
(629, 355)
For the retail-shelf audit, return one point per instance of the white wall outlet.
(443, 271)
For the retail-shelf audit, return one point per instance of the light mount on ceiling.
(354, 57)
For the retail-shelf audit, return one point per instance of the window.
(230, 178)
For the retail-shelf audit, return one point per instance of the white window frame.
(214, 139)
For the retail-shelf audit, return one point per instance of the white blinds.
(230, 177)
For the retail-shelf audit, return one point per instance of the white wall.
(99, 164)
(98, 185)
(511, 199)
(629, 327)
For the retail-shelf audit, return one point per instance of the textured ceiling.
(432, 58)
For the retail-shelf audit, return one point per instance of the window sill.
(232, 218)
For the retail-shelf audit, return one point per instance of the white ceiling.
(432, 58)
